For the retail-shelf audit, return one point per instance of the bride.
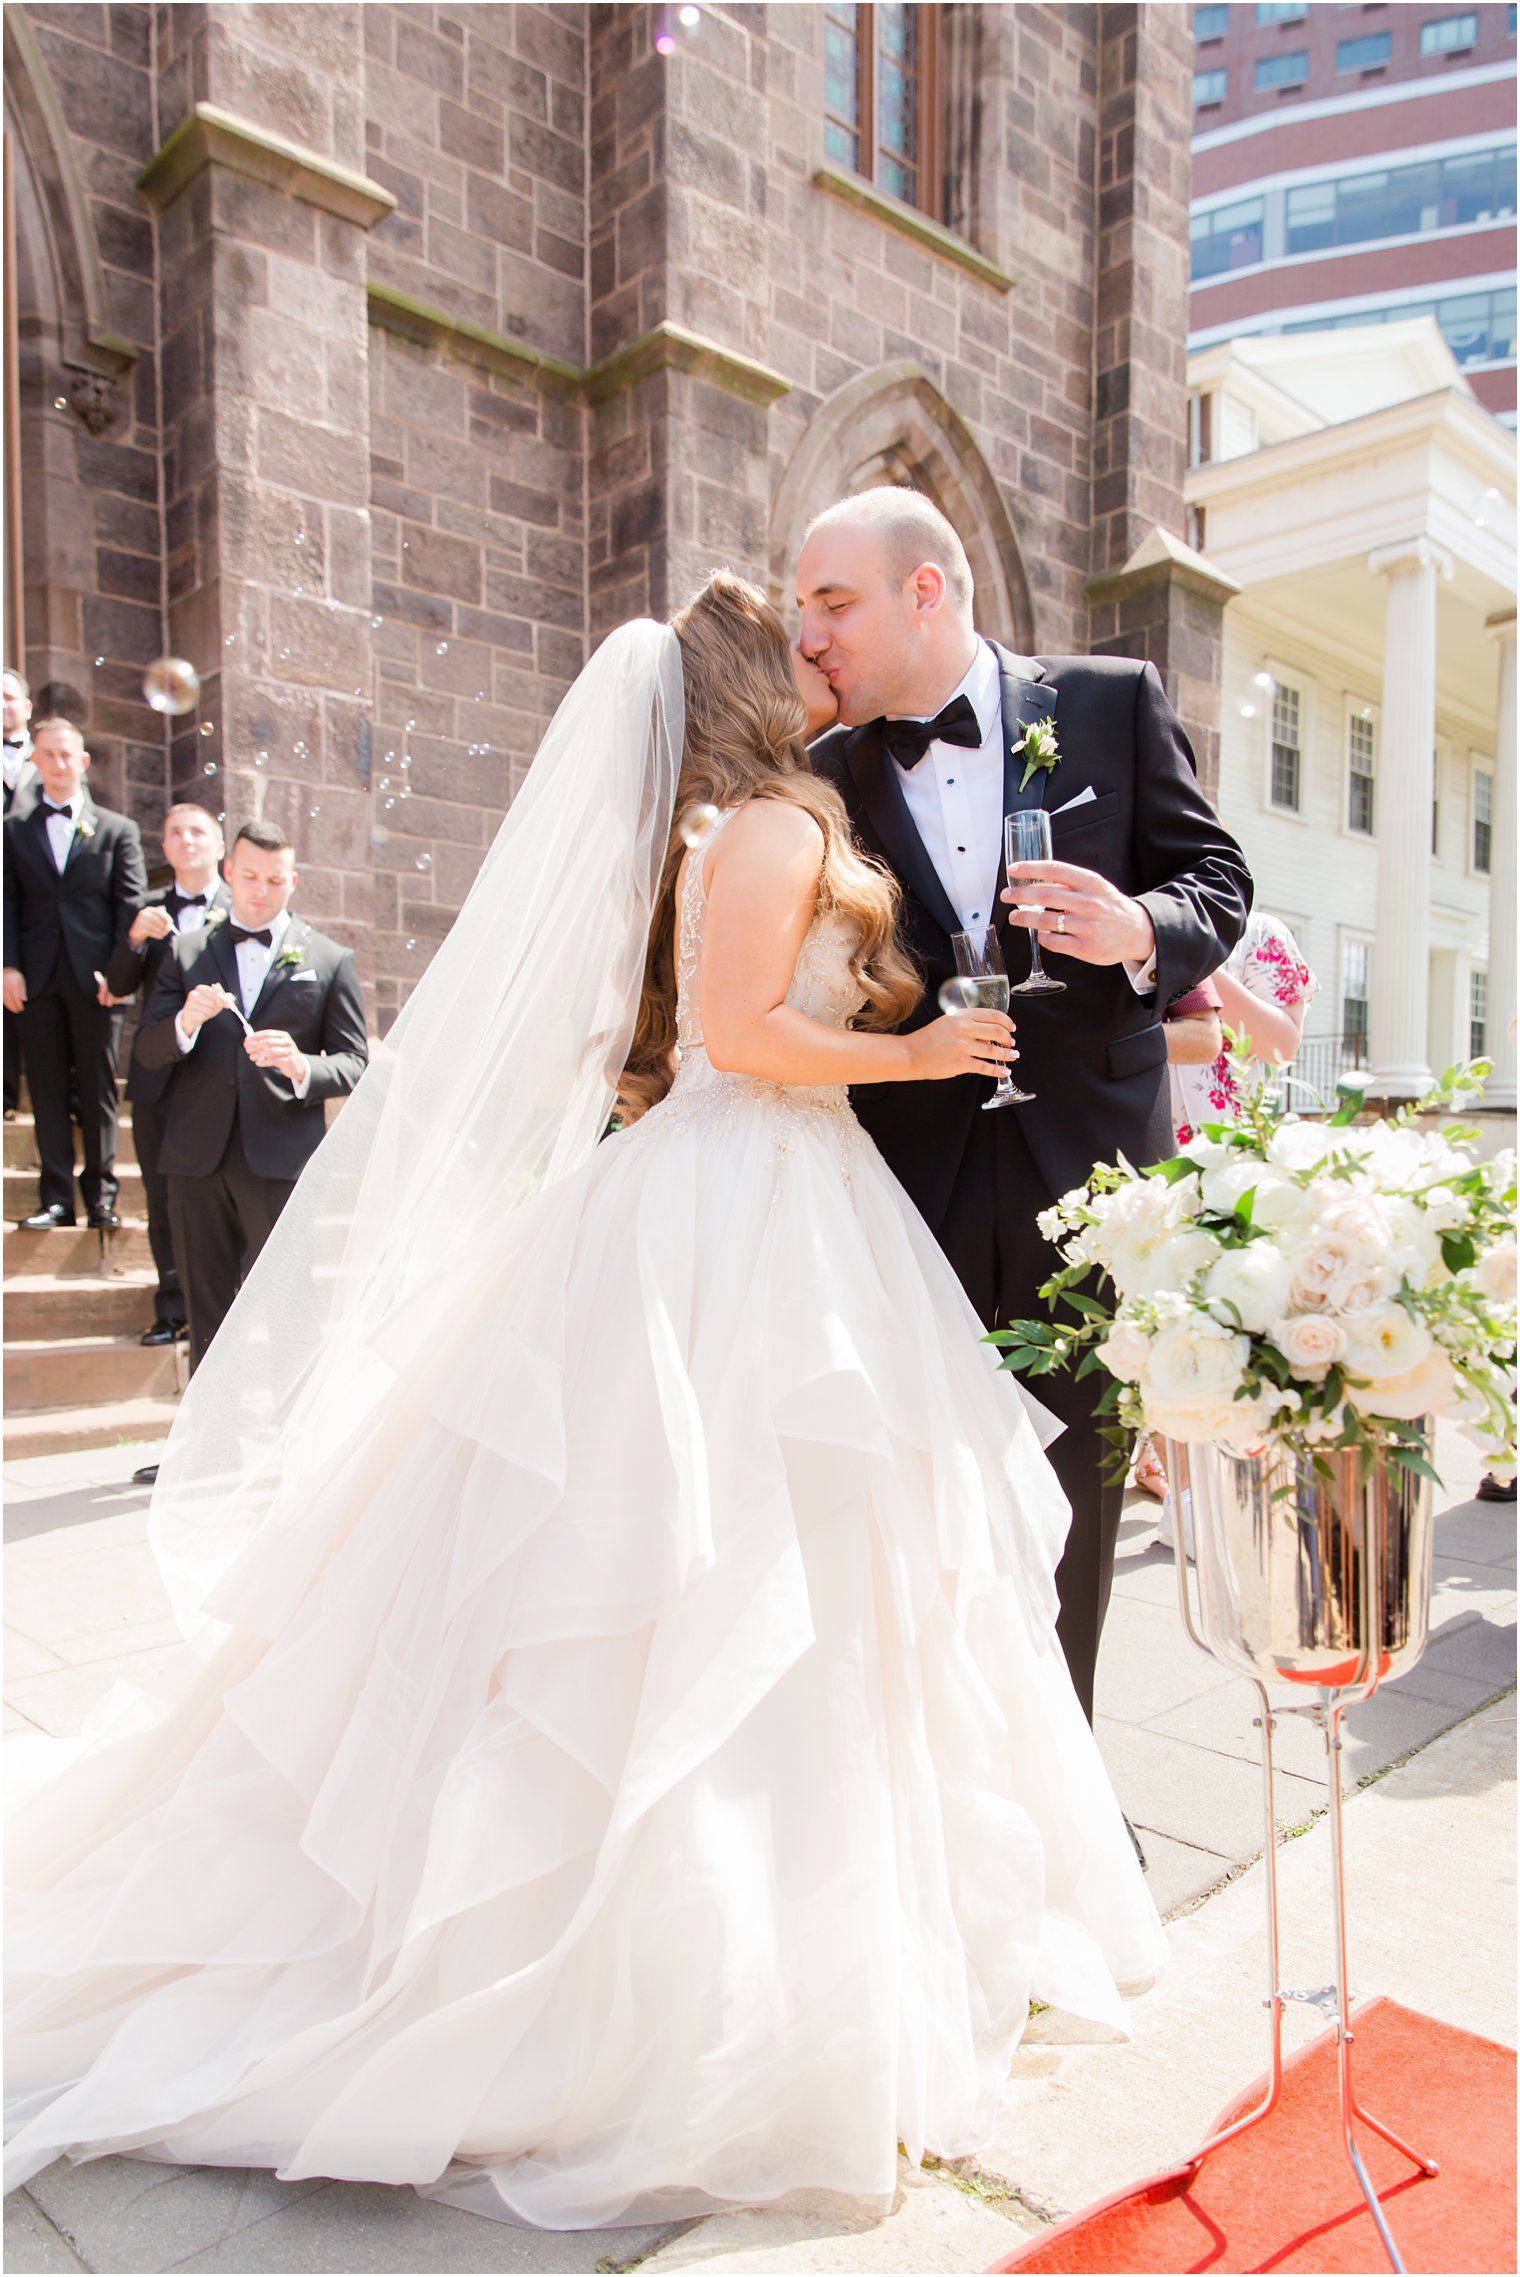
(632, 1769)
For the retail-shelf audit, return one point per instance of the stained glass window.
(880, 96)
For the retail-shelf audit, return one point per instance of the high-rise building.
(1356, 166)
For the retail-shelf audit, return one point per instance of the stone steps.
(72, 1250)
(21, 1144)
(64, 1430)
(75, 1370)
(23, 1193)
(40, 1306)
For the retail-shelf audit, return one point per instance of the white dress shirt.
(253, 963)
(18, 762)
(189, 915)
(60, 832)
(955, 797)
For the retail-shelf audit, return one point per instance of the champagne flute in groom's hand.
(982, 985)
(1026, 838)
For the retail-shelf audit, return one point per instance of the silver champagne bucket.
(1303, 1579)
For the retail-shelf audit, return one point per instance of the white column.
(1501, 884)
(1401, 952)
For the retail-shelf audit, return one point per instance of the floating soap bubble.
(60, 403)
(697, 825)
(442, 649)
(405, 791)
(261, 758)
(302, 751)
(411, 723)
(230, 641)
(314, 811)
(424, 862)
(298, 591)
(207, 728)
(170, 684)
(411, 944)
(389, 804)
(384, 783)
(958, 995)
(300, 537)
(406, 757)
(100, 660)
(375, 623)
(209, 768)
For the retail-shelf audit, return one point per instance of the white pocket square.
(1083, 798)
(301, 976)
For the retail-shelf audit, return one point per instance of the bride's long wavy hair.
(744, 729)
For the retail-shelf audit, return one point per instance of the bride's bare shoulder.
(772, 832)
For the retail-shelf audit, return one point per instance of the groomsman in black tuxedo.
(74, 881)
(1146, 894)
(20, 790)
(193, 848)
(259, 1020)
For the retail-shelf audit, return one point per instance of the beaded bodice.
(822, 986)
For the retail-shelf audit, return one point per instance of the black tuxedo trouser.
(72, 1044)
(12, 1062)
(219, 1224)
(148, 1120)
(990, 1237)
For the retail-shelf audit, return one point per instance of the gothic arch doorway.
(892, 425)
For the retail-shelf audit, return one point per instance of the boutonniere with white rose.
(1321, 1285)
(85, 826)
(290, 957)
(1040, 749)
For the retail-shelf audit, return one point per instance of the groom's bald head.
(907, 529)
(884, 590)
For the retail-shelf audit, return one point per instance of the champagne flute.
(1026, 838)
(981, 984)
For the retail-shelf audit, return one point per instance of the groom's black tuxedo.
(235, 1136)
(1095, 1057)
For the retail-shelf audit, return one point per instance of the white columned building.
(1501, 944)
(1363, 500)
(1401, 973)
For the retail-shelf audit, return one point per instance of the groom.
(1146, 895)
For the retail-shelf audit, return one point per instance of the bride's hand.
(961, 1043)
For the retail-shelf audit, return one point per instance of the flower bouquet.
(1319, 1286)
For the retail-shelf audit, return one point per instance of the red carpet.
(1283, 2196)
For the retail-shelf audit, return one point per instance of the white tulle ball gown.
(646, 1778)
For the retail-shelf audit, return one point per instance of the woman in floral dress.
(1265, 990)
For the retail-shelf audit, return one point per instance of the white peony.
(1254, 1280)
(1301, 1146)
(1445, 1208)
(1168, 1267)
(1193, 1421)
(1125, 1351)
(1430, 1388)
(1250, 1420)
(1494, 1273)
(1414, 1252)
(1195, 1359)
(1385, 1341)
(1311, 1343)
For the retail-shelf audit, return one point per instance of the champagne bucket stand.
(1322, 1584)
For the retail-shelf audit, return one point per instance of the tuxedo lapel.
(223, 955)
(886, 810)
(1028, 698)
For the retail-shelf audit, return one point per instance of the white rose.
(1194, 1421)
(1385, 1341)
(1494, 1273)
(1427, 1389)
(1254, 1280)
(1301, 1146)
(1195, 1359)
(1125, 1351)
(1445, 1209)
(1414, 1245)
(1311, 1343)
(1166, 1268)
(1225, 1183)
(1248, 1424)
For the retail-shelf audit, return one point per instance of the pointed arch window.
(881, 66)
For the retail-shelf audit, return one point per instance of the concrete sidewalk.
(84, 1607)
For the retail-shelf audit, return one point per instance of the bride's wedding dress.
(663, 1788)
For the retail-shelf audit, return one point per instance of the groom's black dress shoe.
(105, 1219)
(1145, 1865)
(47, 1220)
(162, 1332)
(146, 1475)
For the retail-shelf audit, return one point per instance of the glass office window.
(1402, 201)
(1227, 238)
(1448, 35)
(1209, 87)
(1288, 70)
(1362, 54)
(1210, 23)
(1281, 12)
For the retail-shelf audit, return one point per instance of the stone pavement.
(83, 1607)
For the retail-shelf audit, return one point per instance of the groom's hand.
(1079, 914)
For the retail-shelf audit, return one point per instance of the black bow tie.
(242, 933)
(191, 900)
(49, 808)
(909, 739)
